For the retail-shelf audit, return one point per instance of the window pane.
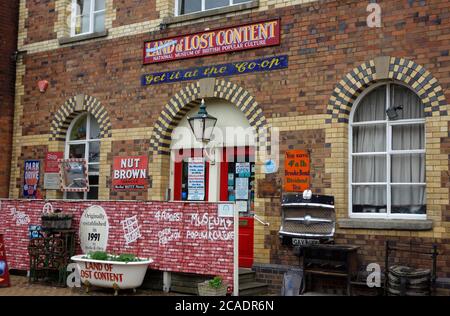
(408, 168)
(369, 138)
(82, 24)
(412, 106)
(77, 151)
(211, 4)
(369, 169)
(408, 199)
(93, 193)
(189, 6)
(83, 7)
(93, 167)
(369, 199)
(372, 107)
(78, 130)
(99, 22)
(94, 152)
(93, 180)
(94, 129)
(240, 1)
(75, 195)
(99, 5)
(406, 137)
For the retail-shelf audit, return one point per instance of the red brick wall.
(201, 256)
(8, 44)
(41, 20)
(134, 11)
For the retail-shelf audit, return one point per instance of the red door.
(246, 242)
(246, 224)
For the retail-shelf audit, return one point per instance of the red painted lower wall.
(204, 246)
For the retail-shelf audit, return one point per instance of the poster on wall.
(51, 170)
(94, 229)
(130, 173)
(31, 178)
(296, 171)
(73, 175)
(4, 273)
(196, 179)
(211, 42)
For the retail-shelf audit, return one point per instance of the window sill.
(387, 224)
(80, 38)
(204, 14)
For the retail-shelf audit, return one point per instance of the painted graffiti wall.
(179, 237)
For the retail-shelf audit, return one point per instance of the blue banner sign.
(231, 69)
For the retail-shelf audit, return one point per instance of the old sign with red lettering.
(51, 161)
(213, 42)
(4, 273)
(296, 171)
(130, 173)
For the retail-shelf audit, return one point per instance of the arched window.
(83, 141)
(387, 154)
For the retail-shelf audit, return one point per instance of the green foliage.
(99, 255)
(216, 282)
(126, 257)
(103, 256)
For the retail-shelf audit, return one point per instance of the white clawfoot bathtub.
(111, 274)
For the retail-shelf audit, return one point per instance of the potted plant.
(57, 220)
(214, 287)
(125, 271)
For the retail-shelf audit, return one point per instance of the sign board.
(243, 169)
(51, 170)
(212, 42)
(196, 180)
(241, 206)
(225, 210)
(130, 173)
(4, 273)
(34, 231)
(230, 69)
(51, 161)
(94, 229)
(296, 171)
(74, 175)
(31, 178)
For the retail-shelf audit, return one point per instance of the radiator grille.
(309, 228)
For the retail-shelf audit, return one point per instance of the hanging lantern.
(202, 124)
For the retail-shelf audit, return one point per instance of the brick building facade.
(334, 57)
(8, 40)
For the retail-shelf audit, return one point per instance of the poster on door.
(196, 180)
(31, 178)
(241, 188)
(243, 169)
(296, 171)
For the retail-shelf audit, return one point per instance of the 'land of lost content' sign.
(296, 171)
(130, 173)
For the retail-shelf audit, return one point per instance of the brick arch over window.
(415, 76)
(191, 95)
(74, 106)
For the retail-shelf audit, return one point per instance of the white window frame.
(85, 142)
(388, 153)
(230, 3)
(92, 13)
